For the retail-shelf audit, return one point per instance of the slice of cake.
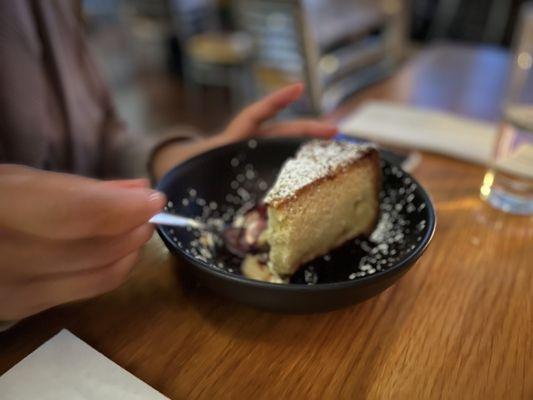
(324, 196)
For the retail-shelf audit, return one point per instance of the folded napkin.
(67, 368)
(414, 128)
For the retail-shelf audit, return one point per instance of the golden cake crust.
(277, 196)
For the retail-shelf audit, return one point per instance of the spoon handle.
(175, 220)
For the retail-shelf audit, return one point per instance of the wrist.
(220, 139)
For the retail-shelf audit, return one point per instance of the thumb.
(109, 210)
(62, 206)
(129, 183)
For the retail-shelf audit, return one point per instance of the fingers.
(93, 253)
(42, 294)
(129, 183)
(105, 211)
(251, 117)
(64, 237)
(305, 127)
(48, 257)
(273, 103)
(61, 206)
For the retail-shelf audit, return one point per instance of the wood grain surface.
(459, 325)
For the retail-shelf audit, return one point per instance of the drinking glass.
(508, 183)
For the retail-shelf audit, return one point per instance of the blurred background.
(195, 62)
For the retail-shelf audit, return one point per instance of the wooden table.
(459, 325)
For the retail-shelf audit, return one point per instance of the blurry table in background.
(458, 325)
(467, 80)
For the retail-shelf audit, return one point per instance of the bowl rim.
(410, 259)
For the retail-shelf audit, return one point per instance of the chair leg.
(193, 91)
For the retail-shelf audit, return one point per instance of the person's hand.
(65, 238)
(251, 121)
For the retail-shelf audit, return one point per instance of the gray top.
(55, 110)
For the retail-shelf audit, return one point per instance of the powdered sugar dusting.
(315, 160)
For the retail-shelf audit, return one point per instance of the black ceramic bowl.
(217, 183)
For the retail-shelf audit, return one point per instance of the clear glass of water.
(508, 183)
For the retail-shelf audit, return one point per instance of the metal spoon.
(238, 241)
(177, 220)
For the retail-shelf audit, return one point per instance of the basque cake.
(324, 196)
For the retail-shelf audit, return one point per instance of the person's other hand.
(254, 119)
(251, 121)
(65, 238)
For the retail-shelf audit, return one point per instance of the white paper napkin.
(67, 368)
(424, 129)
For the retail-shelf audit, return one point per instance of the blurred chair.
(210, 55)
(335, 46)
(473, 21)
(96, 11)
(149, 26)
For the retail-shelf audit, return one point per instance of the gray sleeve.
(125, 153)
(128, 154)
